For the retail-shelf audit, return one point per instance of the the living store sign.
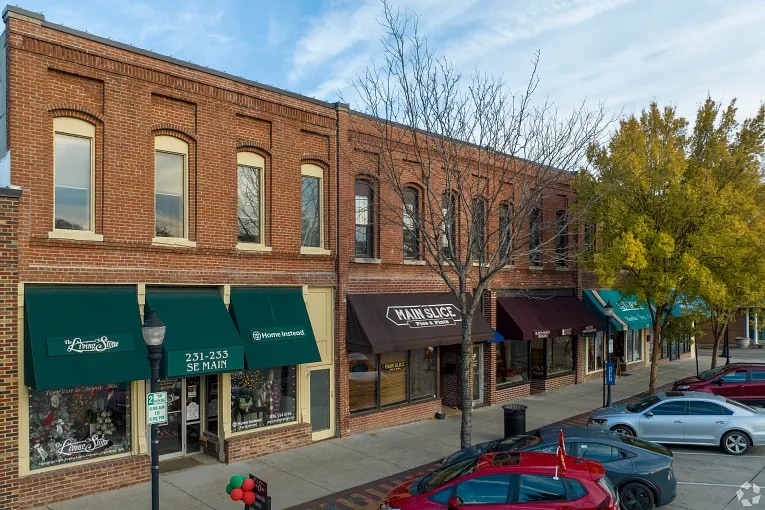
(424, 316)
(83, 345)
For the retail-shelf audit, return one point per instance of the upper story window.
(312, 220)
(170, 185)
(589, 237)
(411, 217)
(73, 153)
(449, 225)
(251, 208)
(364, 211)
(535, 238)
(478, 232)
(505, 233)
(561, 239)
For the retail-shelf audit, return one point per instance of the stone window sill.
(311, 250)
(75, 235)
(367, 260)
(414, 262)
(253, 247)
(173, 241)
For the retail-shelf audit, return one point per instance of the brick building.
(152, 185)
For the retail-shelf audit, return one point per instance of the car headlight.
(683, 387)
(598, 421)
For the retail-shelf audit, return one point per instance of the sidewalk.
(315, 471)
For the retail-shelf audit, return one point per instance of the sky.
(621, 53)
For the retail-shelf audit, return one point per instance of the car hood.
(687, 380)
(400, 494)
(610, 411)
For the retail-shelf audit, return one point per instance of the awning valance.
(380, 323)
(629, 313)
(532, 318)
(200, 337)
(82, 336)
(274, 326)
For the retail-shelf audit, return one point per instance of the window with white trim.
(251, 208)
(73, 157)
(312, 212)
(170, 187)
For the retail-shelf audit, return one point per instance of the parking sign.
(156, 408)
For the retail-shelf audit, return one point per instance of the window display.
(263, 397)
(595, 352)
(74, 424)
(392, 378)
(560, 355)
(512, 361)
(422, 382)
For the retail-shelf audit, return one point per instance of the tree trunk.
(716, 346)
(466, 378)
(656, 341)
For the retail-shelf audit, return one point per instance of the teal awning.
(629, 313)
(274, 326)
(200, 336)
(82, 336)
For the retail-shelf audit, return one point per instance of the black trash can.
(515, 419)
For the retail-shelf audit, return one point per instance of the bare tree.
(483, 158)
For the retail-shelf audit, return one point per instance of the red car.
(744, 382)
(507, 481)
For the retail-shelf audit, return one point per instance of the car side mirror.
(648, 414)
(455, 503)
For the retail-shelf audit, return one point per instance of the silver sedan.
(687, 417)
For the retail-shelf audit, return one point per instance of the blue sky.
(624, 53)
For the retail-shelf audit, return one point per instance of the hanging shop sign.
(394, 366)
(424, 316)
(78, 345)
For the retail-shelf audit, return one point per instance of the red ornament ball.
(248, 498)
(236, 494)
(248, 484)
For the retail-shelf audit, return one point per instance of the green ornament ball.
(229, 488)
(236, 481)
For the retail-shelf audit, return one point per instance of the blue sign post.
(610, 373)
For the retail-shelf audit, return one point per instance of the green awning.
(274, 325)
(82, 336)
(200, 337)
(629, 313)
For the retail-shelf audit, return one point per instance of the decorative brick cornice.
(77, 111)
(251, 144)
(315, 158)
(172, 129)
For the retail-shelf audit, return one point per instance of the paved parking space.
(709, 479)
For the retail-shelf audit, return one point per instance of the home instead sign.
(424, 316)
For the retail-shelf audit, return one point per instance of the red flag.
(561, 453)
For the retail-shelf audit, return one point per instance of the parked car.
(640, 470)
(744, 382)
(687, 417)
(504, 480)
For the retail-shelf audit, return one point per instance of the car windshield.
(444, 475)
(643, 404)
(738, 404)
(521, 443)
(708, 374)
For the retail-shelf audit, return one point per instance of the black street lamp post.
(608, 311)
(154, 334)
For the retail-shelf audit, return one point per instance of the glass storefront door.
(477, 360)
(180, 435)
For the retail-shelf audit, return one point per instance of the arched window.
(478, 230)
(170, 186)
(364, 210)
(535, 238)
(449, 226)
(561, 238)
(250, 167)
(411, 217)
(312, 208)
(506, 232)
(73, 156)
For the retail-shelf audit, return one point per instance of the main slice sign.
(424, 316)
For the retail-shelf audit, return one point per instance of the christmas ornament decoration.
(236, 494)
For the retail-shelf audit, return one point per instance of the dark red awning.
(532, 318)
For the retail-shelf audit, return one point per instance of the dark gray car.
(640, 470)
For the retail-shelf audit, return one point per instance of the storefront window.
(263, 397)
(392, 378)
(422, 373)
(512, 361)
(560, 355)
(595, 352)
(634, 346)
(362, 371)
(74, 424)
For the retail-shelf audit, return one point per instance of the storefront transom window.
(75, 424)
(263, 397)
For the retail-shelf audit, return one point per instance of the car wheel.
(623, 430)
(636, 496)
(735, 443)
